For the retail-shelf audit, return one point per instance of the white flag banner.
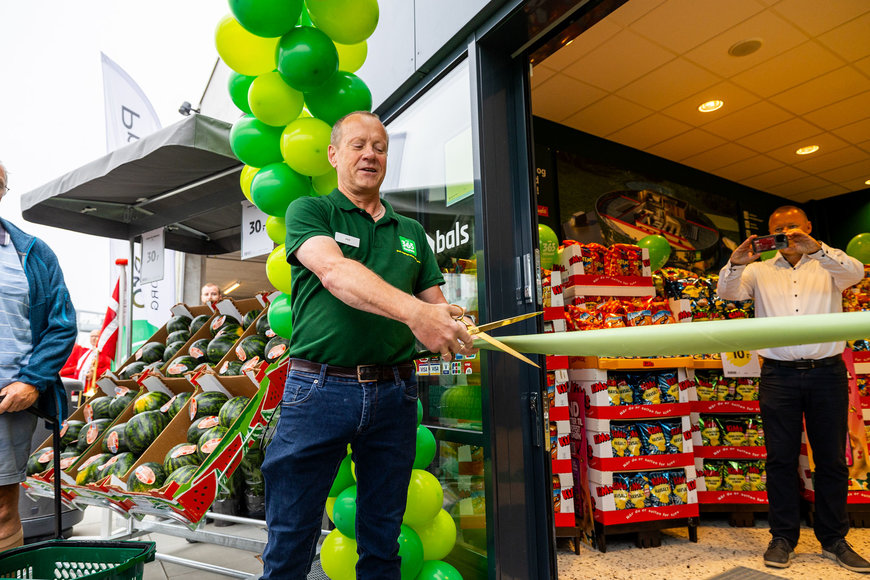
(129, 117)
(129, 114)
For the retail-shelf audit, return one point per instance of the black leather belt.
(362, 373)
(805, 364)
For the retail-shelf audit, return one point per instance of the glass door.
(430, 178)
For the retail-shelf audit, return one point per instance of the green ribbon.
(695, 337)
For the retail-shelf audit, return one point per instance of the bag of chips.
(757, 475)
(680, 488)
(635, 443)
(735, 476)
(620, 490)
(712, 474)
(654, 440)
(661, 488)
(619, 439)
(638, 491)
(704, 386)
(746, 389)
(754, 431)
(733, 431)
(669, 386)
(711, 434)
(674, 434)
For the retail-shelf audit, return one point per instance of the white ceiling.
(638, 76)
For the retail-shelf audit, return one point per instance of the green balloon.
(338, 556)
(659, 250)
(859, 248)
(425, 497)
(304, 19)
(344, 21)
(438, 536)
(276, 228)
(425, 448)
(238, 86)
(267, 18)
(304, 145)
(438, 570)
(344, 513)
(419, 412)
(275, 186)
(548, 244)
(411, 553)
(254, 142)
(306, 58)
(324, 184)
(273, 101)
(280, 316)
(343, 479)
(342, 94)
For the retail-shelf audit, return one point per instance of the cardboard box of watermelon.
(199, 450)
(81, 434)
(257, 344)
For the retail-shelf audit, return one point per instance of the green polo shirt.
(325, 329)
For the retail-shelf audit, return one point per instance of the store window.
(430, 178)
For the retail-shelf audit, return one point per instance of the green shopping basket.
(79, 560)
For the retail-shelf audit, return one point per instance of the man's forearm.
(360, 288)
(730, 286)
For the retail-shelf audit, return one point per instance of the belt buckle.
(360, 369)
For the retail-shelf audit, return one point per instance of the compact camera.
(771, 242)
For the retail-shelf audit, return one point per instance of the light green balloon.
(344, 21)
(278, 270)
(351, 57)
(425, 498)
(548, 245)
(324, 184)
(438, 536)
(273, 101)
(276, 228)
(304, 143)
(338, 556)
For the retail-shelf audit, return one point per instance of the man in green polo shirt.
(365, 286)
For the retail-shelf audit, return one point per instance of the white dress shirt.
(813, 286)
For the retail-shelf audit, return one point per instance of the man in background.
(804, 382)
(210, 293)
(37, 333)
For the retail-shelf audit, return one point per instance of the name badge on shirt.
(346, 239)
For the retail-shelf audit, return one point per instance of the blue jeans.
(821, 396)
(320, 415)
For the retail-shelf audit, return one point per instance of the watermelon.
(178, 336)
(207, 403)
(209, 440)
(198, 322)
(150, 401)
(200, 426)
(155, 366)
(179, 456)
(251, 346)
(147, 476)
(175, 404)
(264, 328)
(152, 352)
(172, 349)
(120, 402)
(40, 460)
(90, 432)
(67, 458)
(143, 429)
(98, 408)
(177, 323)
(219, 347)
(88, 472)
(231, 411)
(231, 368)
(134, 368)
(233, 330)
(250, 317)
(275, 348)
(117, 465)
(199, 350)
(181, 475)
(115, 440)
(220, 321)
(181, 365)
(69, 431)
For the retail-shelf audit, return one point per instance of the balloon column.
(428, 531)
(293, 65)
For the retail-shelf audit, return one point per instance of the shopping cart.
(78, 560)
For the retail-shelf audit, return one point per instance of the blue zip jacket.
(52, 320)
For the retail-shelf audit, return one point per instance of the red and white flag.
(109, 332)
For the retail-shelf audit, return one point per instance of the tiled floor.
(720, 549)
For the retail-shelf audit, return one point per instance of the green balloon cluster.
(293, 65)
(428, 532)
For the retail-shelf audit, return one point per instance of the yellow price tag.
(741, 363)
(739, 358)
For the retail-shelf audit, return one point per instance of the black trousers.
(821, 396)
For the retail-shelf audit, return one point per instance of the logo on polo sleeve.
(408, 246)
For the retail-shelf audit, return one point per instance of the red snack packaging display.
(612, 314)
(637, 314)
(660, 312)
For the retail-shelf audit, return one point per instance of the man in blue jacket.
(37, 333)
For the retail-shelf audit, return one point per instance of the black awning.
(184, 178)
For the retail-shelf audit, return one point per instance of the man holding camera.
(805, 382)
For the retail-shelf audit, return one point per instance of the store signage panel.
(152, 257)
(255, 239)
(742, 363)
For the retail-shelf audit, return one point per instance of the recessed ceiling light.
(807, 150)
(711, 106)
(745, 47)
(867, 182)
